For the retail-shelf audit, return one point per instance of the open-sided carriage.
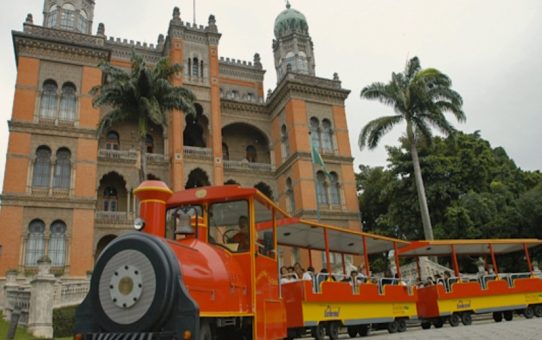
(457, 298)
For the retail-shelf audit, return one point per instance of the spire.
(288, 4)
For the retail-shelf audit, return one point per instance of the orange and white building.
(67, 193)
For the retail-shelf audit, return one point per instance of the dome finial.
(288, 4)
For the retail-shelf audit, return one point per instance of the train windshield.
(229, 225)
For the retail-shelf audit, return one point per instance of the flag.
(317, 158)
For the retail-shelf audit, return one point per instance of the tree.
(143, 95)
(420, 98)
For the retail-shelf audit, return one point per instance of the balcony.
(125, 155)
(193, 152)
(246, 165)
(114, 217)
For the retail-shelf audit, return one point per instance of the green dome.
(290, 20)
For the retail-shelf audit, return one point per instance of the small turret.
(75, 15)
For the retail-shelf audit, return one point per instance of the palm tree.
(143, 95)
(419, 97)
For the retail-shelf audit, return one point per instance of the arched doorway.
(265, 189)
(104, 241)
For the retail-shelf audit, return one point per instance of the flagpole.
(315, 179)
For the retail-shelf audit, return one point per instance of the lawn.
(21, 333)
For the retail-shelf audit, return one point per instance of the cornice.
(308, 88)
(306, 156)
(240, 70)
(51, 130)
(34, 201)
(58, 46)
(236, 106)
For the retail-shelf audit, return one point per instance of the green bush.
(63, 321)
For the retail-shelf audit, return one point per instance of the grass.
(21, 333)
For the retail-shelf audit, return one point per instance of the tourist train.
(204, 264)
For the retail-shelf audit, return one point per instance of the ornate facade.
(68, 193)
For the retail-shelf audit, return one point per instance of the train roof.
(292, 231)
(296, 232)
(467, 247)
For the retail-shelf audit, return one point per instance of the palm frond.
(374, 130)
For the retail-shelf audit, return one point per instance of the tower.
(292, 47)
(72, 15)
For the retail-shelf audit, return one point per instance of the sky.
(491, 49)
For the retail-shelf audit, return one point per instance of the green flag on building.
(317, 158)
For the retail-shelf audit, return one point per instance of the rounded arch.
(197, 178)
(62, 174)
(231, 182)
(48, 102)
(112, 140)
(35, 242)
(265, 189)
(196, 129)
(42, 167)
(152, 177)
(239, 136)
(112, 193)
(102, 243)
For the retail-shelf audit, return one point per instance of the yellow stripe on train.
(489, 303)
(317, 312)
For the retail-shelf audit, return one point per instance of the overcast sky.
(491, 49)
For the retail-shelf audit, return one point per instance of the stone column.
(40, 319)
(10, 288)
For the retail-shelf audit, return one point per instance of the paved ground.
(519, 328)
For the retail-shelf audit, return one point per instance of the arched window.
(149, 142)
(195, 67)
(231, 182)
(42, 168)
(315, 132)
(112, 142)
(35, 244)
(265, 189)
(83, 25)
(225, 152)
(290, 194)
(111, 199)
(201, 68)
(284, 141)
(52, 16)
(67, 18)
(48, 99)
(327, 141)
(62, 174)
(57, 244)
(67, 102)
(334, 189)
(251, 154)
(321, 190)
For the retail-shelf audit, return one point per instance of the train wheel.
(454, 320)
(426, 325)
(318, 332)
(364, 330)
(538, 311)
(352, 331)
(438, 323)
(466, 319)
(401, 326)
(497, 316)
(205, 331)
(508, 315)
(332, 330)
(393, 327)
(528, 312)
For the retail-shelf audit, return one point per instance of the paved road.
(519, 328)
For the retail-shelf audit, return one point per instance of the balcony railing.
(130, 155)
(198, 153)
(156, 157)
(245, 165)
(114, 217)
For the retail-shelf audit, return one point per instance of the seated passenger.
(285, 275)
(399, 281)
(242, 237)
(298, 269)
(387, 279)
(309, 274)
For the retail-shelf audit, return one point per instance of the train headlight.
(139, 224)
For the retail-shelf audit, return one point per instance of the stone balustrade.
(193, 152)
(245, 165)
